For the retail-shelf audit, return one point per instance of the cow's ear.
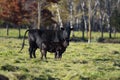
(62, 28)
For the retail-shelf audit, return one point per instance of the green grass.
(81, 61)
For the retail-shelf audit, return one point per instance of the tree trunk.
(108, 19)
(84, 19)
(101, 26)
(102, 33)
(59, 18)
(89, 33)
(85, 27)
(19, 30)
(110, 31)
(7, 29)
(114, 33)
(39, 14)
(71, 18)
(83, 32)
(109, 27)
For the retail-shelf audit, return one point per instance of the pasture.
(81, 61)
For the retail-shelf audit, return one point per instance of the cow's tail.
(23, 41)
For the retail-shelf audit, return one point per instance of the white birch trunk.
(39, 14)
(89, 33)
(59, 17)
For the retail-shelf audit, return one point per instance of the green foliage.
(115, 19)
(81, 61)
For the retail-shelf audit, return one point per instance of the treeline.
(84, 15)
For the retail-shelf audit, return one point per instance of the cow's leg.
(60, 55)
(34, 52)
(55, 55)
(30, 51)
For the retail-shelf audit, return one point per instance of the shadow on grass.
(100, 40)
(45, 77)
(108, 40)
(78, 39)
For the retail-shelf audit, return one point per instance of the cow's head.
(66, 35)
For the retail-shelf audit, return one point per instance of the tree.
(44, 14)
(5, 12)
(90, 13)
(110, 5)
(115, 19)
(40, 2)
(12, 11)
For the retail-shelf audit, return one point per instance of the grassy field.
(81, 61)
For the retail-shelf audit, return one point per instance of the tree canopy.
(25, 11)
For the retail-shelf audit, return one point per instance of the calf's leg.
(56, 54)
(34, 52)
(43, 50)
(43, 54)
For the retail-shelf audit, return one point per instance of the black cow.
(55, 41)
